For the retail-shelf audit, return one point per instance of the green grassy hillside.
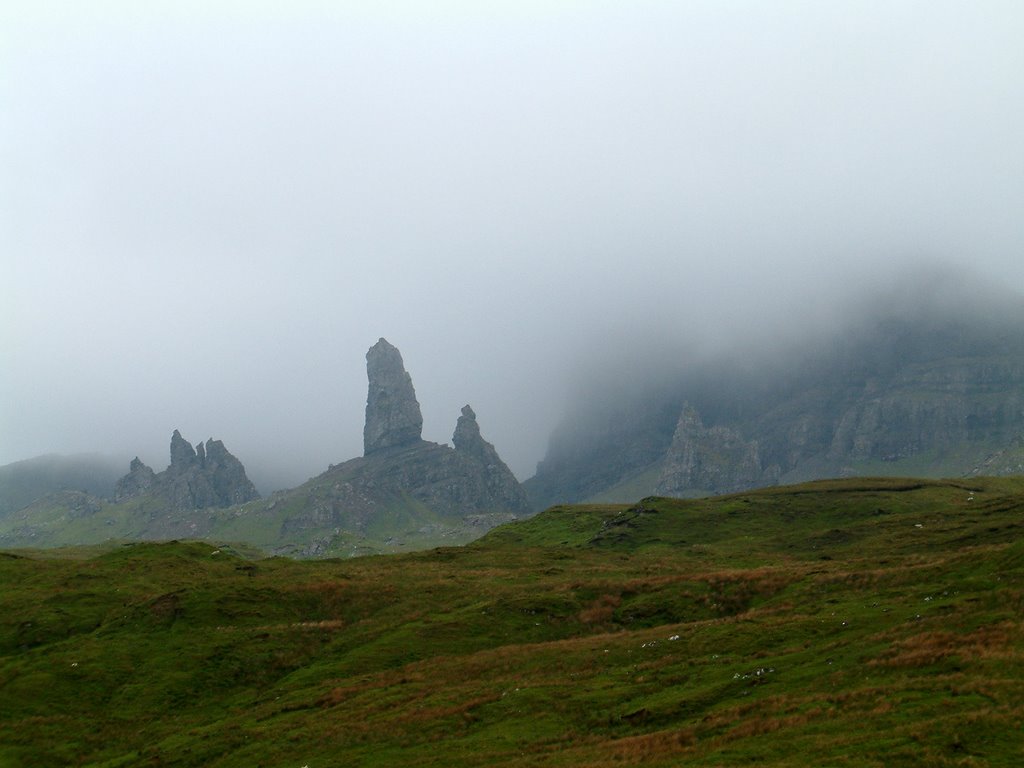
(843, 623)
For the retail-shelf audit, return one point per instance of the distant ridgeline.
(198, 478)
(22, 482)
(404, 493)
(917, 391)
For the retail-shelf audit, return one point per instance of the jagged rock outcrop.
(403, 482)
(467, 438)
(393, 418)
(139, 480)
(715, 459)
(406, 493)
(183, 455)
(197, 478)
(499, 484)
(230, 483)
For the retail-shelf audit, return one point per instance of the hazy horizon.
(207, 215)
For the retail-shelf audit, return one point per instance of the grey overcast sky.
(210, 210)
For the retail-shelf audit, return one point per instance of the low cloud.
(208, 219)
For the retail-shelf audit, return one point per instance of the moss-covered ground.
(841, 623)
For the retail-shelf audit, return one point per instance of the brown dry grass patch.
(986, 643)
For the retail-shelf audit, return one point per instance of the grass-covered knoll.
(858, 623)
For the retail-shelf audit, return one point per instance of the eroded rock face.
(197, 478)
(934, 392)
(183, 455)
(467, 435)
(715, 459)
(138, 481)
(500, 486)
(393, 418)
(227, 475)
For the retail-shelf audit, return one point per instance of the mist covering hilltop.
(22, 482)
(924, 377)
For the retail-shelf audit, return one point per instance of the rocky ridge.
(197, 478)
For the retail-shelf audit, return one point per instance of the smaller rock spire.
(197, 478)
(467, 432)
(501, 484)
(138, 481)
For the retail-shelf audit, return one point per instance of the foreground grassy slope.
(860, 623)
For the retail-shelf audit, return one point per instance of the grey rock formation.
(902, 393)
(499, 484)
(467, 434)
(227, 475)
(393, 418)
(139, 480)
(715, 459)
(183, 455)
(404, 493)
(197, 478)
(403, 482)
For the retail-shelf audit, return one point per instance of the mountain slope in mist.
(926, 383)
(23, 482)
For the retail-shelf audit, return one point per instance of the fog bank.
(207, 215)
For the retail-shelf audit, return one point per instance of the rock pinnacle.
(393, 417)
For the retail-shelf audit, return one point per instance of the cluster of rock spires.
(462, 481)
(197, 478)
(403, 485)
(394, 420)
(404, 492)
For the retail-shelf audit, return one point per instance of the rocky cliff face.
(197, 478)
(906, 393)
(715, 459)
